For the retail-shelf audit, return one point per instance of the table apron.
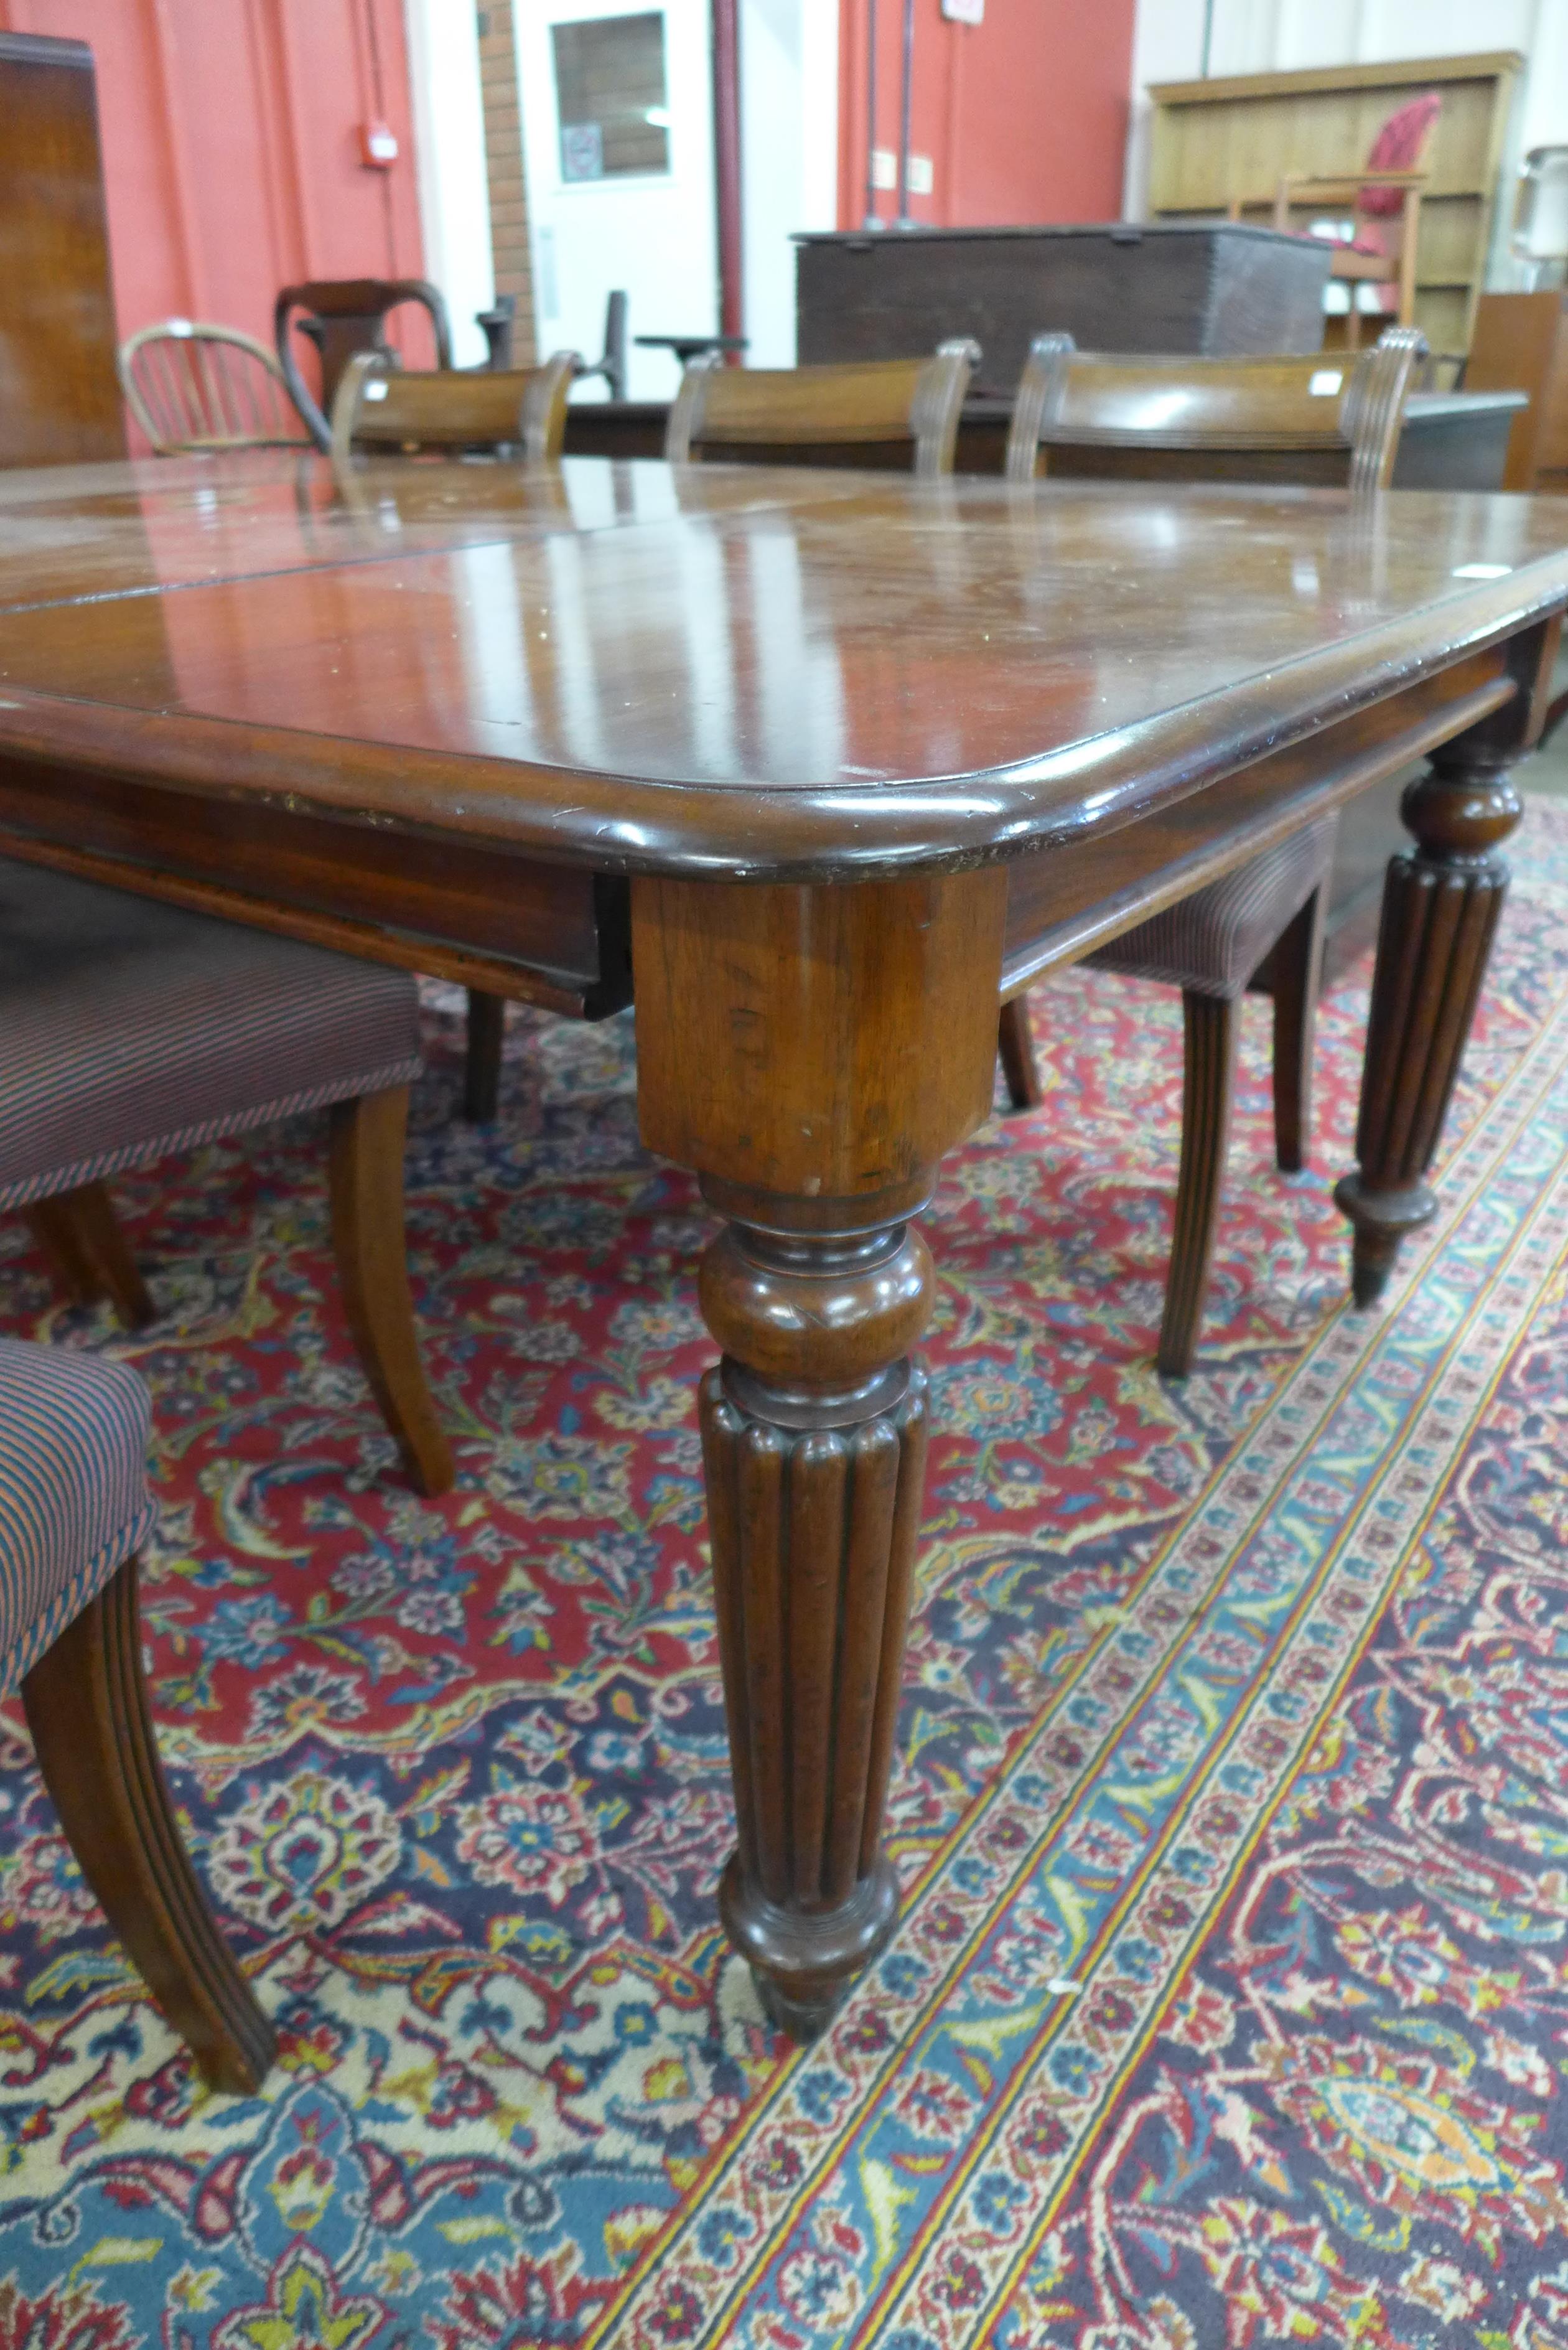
(558, 936)
(1066, 901)
(554, 935)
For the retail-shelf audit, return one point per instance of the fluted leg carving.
(1440, 908)
(813, 1431)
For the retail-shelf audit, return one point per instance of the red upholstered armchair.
(1385, 204)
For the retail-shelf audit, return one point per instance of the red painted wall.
(230, 133)
(1024, 116)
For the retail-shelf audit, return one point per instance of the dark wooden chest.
(1122, 287)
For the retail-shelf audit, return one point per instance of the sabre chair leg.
(1298, 963)
(1016, 1046)
(55, 1237)
(369, 1240)
(85, 1703)
(1213, 1027)
(481, 1069)
(83, 1239)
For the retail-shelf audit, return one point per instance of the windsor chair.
(191, 386)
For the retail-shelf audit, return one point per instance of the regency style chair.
(1281, 418)
(1385, 204)
(379, 407)
(75, 1510)
(194, 387)
(870, 413)
(134, 1030)
(343, 316)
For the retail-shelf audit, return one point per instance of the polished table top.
(728, 670)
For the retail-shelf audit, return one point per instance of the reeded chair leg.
(85, 1703)
(481, 1069)
(1297, 964)
(368, 1235)
(82, 1237)
(1213, 1028)
(1016, 1046)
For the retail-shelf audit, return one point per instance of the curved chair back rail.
(382, 407)
(1349, 405)
(344, 316)
(192, 386)
(883, 404)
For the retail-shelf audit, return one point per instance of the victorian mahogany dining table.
(819, 766)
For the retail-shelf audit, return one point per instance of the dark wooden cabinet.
(60, 398)
(1210, 287)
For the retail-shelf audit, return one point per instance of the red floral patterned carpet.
(1232, 2004)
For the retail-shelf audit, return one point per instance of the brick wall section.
(503, 168)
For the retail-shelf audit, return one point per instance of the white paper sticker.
(1324, 382)
(376, 389)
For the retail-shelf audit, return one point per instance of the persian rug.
(1230, 2003)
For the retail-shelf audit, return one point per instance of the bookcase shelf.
(1229, 140)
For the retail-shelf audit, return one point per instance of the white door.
(617, 143)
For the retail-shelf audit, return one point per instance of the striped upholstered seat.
(74, 1503)
(74, 1510)
(132, 1030)
(1214, 940)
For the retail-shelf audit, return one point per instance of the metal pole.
(726, 49)
(872, 219)
(904, 220)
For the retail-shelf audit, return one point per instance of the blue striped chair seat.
(1213, 941)
(74, 1503)
(133, 1029)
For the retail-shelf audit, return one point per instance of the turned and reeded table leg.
(1440, 909)
(814, 1439)
(812, 1053)
(1440, 915)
